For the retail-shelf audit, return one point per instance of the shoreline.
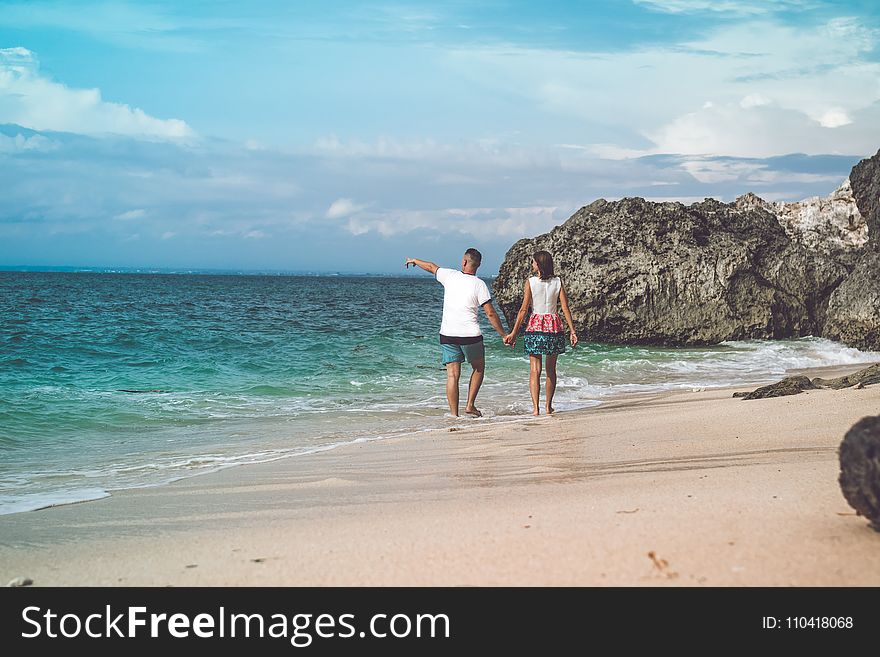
(718, 488)
(95, 494)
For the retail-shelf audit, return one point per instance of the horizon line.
(217, 271)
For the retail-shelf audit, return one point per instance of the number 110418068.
(808, 623)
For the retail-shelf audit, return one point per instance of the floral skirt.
(544, 344)
(549, 323)
(544, 335)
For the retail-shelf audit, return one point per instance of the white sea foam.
(216, 430)
(43, 500)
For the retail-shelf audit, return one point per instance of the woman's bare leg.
(535, 381)
(551, 380)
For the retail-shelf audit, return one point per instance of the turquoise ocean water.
(244, 368)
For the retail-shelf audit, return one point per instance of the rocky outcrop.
(638, 272)
(793, 385)
(829, 224)
(853, 315)
(664, 273)
(854, 307)
(865, 180)
(860, 379)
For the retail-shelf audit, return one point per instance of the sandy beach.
(674, 489)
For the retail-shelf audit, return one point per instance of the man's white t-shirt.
(463, 296)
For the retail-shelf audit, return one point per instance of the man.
(460, 335)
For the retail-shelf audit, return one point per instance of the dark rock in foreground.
(861, 379)
(860, 468)
(792, 385)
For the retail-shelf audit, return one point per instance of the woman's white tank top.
(545, 295)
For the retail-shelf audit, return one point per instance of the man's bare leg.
(453, 374)
(474, 387)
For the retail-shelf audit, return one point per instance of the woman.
(544, 335)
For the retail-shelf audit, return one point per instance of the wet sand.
(684, 488)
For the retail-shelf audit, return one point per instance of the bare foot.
(549, 410)
(536, 412)
(473, 411)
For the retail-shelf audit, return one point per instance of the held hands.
(510, 339)
(574, 338)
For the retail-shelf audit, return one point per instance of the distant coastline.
(38, 269)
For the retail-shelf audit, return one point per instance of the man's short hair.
(474, 256)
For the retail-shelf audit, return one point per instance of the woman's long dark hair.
(545, 264)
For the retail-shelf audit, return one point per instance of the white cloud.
(229, 181)
(714, 171)
(772, 88)
(18, 60)
(456, 179)
(507, 223)
(752, 100)
(129, 215)
(834, 118)
(765, 131)
(216, 195)
(475, 152)
(611, 151)
(749, 173)
(342, 207)
(30, 99)
(20, 143)
(383, 147)
(736, 7)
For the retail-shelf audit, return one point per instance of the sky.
(346, 136)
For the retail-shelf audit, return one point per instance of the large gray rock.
(828, 224)
(864, 377)
(853, 315)
(792, 385)
(665, 273)
(854, 308)
(638, 272)
(865, 181)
